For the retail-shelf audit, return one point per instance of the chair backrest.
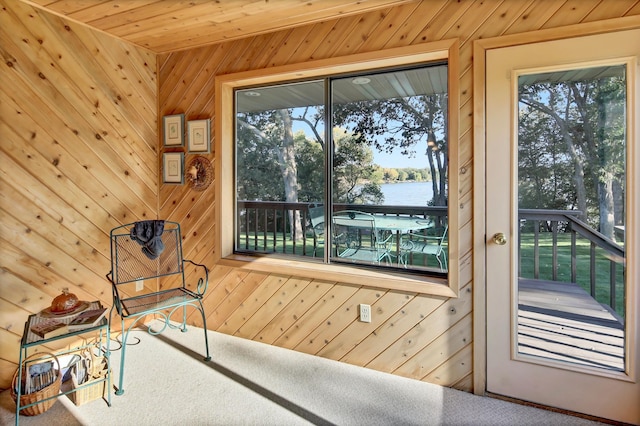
(139, 251)
(352, 225)
(316, 216)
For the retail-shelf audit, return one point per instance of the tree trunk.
(288, 167)
(289, 170)
(605, 201)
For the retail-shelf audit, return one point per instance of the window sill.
(342, 274)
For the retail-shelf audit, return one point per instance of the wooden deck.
(561, 321)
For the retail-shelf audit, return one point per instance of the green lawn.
(583, 251)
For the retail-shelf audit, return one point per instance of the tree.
(272, 131)
(405, 124)
(588, 118)
(356, 179)
(544, 168)
(310, 160)
(276, 165)
(391, 175)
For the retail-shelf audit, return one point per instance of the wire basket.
(53, 389)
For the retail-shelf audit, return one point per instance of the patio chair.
(433, 245)
(316, 217)
(357, 239)
(152, 250)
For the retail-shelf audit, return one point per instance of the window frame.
(446, 50)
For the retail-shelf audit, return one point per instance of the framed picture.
(198, 132)
(172, 164)
(173, 129)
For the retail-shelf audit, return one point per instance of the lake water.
(407, 193)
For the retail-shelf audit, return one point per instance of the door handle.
(500, 239)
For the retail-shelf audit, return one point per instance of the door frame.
(480, 238)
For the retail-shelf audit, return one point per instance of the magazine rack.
(29, 340)
(152, 250)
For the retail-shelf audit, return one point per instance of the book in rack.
(87, 319)
(48, 328)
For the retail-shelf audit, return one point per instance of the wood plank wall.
(79, 151)
(78, 156)
(417, 336)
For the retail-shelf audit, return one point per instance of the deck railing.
(279, 227)
(554, 244)
(588, 252)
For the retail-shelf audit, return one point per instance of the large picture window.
(346, 169)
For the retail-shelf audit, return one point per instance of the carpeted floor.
(249, 383)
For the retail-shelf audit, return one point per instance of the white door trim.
(480, 48)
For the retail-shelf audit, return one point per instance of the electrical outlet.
(139, 285)
(365, 313)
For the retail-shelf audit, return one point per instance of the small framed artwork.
(198, 132)
(173, 127)
(172, 164)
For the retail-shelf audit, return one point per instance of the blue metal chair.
(431, 245)
(316, 217)
(357, 239)
(152, 250)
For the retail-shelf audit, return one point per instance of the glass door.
(561, 292)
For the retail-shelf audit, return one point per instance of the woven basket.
(52, 390)
(94, 388)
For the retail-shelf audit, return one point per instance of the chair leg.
(442, 261)
(183, 328)
(123, 342)
(204, 326)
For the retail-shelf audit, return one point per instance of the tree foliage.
(356, 179)
(407, 124)
(571, 148)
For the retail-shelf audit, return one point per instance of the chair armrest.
(203, 283)
(385, 237)
(115, 295)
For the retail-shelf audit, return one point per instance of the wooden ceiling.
(165, 26)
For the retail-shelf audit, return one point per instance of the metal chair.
(433, 245)
(152, 250)
(316, 217)
(357, 239)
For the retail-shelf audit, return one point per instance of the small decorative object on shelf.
(87, 319)
(64, 306)
(49, 327)
(199, 174)
(65, 302)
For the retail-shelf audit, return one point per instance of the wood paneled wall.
(78, 156)
(417, 336)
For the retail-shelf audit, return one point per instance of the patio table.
(398, 225)
(395, 224)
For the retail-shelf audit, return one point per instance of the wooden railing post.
(574, 256)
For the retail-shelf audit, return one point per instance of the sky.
(394, 160)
